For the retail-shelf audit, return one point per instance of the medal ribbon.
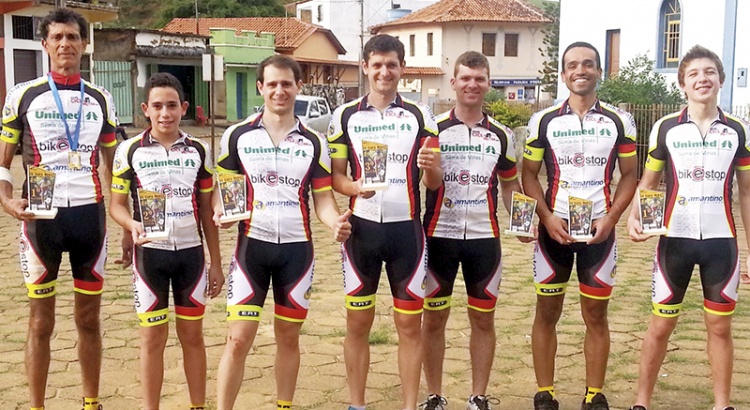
(72, 138)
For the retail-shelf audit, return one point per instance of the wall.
(317, 46)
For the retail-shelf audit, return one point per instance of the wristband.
(5, 175)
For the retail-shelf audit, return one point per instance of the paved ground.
(683, 384)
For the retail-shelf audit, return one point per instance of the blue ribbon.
(72, 138)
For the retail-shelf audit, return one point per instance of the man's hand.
(557, 229)
(601, 228)
(17, 209)
(218, 213)
(215, 280)
(361, 191)
(635, 231)
(137, 233)
(426, 156)
(342, 229)
(529, 239)
(127, 250)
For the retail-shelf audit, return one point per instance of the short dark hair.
(383, 43)
(280, 61)
(472, 59)
(163, 80)
(584, 45)
(695, 53)
(64, 16)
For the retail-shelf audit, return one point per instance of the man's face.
(165, 110)
(279, 90)
(383, 71)
(470, 85)
(64, 46)
(702, 81)
(580, 72)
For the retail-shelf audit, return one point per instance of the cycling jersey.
(403, 126)
(699, 172)
(472, 157)
(580, 154)
(278, 177)
(31, 117)
(179, 172)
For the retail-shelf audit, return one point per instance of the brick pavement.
(683, 384)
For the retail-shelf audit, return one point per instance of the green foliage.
(551, 50)
(220, 8)
(510, 114)
(493, 95)
(637, 83)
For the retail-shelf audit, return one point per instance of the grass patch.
(381, 336)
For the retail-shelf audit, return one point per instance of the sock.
(549, 389)
(90, 403)
(356, 407)
(282, 404)
(591, 392)
(37, 408)
(197, 407)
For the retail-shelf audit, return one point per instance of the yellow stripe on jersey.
(435, 304)
(155, 318)
(10, 135)
(325, 188)
(533, 153)
(626, 154)
(223, 170)
(41, 291)
(654, 164)
(120, 185)
(666, 310)
(338, 151)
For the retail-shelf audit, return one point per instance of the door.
(240, 95)
(115, 77)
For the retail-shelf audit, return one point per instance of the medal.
(74, 160)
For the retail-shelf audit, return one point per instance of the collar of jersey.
(365, 103)
(297, 126)
(565, 109)
(484, 122)
(66, 79)
(149, 140)
(685, 117)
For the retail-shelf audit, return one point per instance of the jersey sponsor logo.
(87, 101)
(177, 162)
(180, 214)
(272, 179)
(699, 174)
(395, 113)
(157, 318)
(604, 132)
(397, 158)
(264, 150)
(581, 184)
(397, 181)
(464, 177)
(179, 192)
(23, 246)
(7, 111)
(275, 204)
(59, 145)
(360, 304)
(450, 203)
(44, 291)
(377, 128)
(726, 144)
(579, 159)
(684, 200)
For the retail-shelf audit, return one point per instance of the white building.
(508, 32)
(664, 30)
(344, 18)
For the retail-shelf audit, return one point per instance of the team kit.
(172, 201)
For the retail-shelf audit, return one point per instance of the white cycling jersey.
(580, 154)
(403, 127)
(179, 172)
(279, 178)
(699, 171)
(31, 117)
(472, 158)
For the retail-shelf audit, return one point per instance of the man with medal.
(63, 123)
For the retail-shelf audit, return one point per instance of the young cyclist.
(165, 159)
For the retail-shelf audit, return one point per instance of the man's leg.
(433, 335)
(287, 357)
(653, 351)
(482, 349)
(190, 333)
(409, 328)
(357, 352)
(87, 309)
(544, 337)
(720, 348)
(41, 325)
(232, 364)
(596, 341)
(153, 341)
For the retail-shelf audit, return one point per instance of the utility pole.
(197, 20)
(361, 45)
(60, 4)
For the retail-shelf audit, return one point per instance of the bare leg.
(544, 338)
(190, 333)
(482, 348)
(357, 352)
(596, 342)
(720, 348)
(433, 335)
(232, 365)
(89, 341)
(41, 325)
(153, 341)
(653, 351)
(409, 328)
(287, 357)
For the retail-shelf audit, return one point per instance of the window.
(23, 27)
(511, 45)
(612, 62)
(305, 15)
(411, 45)
(320, 12)
(429, 44)
(669, 33)
(488, 44)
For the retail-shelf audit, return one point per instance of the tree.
(221, 8)
(637, 83)
(551, 48)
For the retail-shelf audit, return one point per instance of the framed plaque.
(153, 206)
(579, 218)
(522, 210)
(651, 213)
(233, 190)
(41, 187)
(374, 162)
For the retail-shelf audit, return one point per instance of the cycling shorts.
(595, 264)
(153, 271)
(81, 231)
(402, 246)
(719, 264)
(255, 264)
(480, 261)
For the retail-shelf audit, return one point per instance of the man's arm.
(119, 210)
(343, 184)
(211, 233)
(743, 182)
(649, 180)
(13, 207)
(556, 226)
(623, 196)
(108, 158)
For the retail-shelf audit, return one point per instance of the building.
(23, 57)
(663, 30)
(508, 32)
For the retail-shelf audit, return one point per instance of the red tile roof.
(290, 32)
(423, 71)
(446, 11)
